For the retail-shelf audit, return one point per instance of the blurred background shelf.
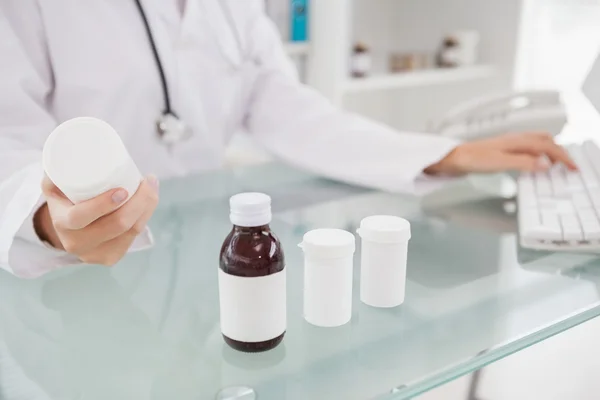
(297, 49)
(407, 101)
(418, 78)
(388, 27)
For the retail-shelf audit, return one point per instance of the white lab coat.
(64, 58)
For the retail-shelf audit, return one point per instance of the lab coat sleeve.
(25, 86)
(298, 125)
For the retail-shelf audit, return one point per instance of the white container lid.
(82, 155)
(250, 209)
(384, 229)
(328, 243)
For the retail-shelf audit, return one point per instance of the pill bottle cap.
(83, 156)
(384, 229)
(250, 209)
(328, 243)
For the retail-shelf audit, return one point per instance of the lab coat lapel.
(222, 30)
(167, 14)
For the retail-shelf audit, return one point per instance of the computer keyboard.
(559, 209)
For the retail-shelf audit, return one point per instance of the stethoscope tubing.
(159, 65)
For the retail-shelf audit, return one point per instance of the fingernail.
(153, 182)
(119, 196)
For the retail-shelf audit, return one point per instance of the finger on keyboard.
(559, 209)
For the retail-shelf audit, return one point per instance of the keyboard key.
(588, 216)
(526, 184)
(555, 205)
(590, 224)
(542, 232)
(591, 232)
(550, 219)
(529, 219)
(526, 179)
(576, 153)
(549, 230)
(542, 185)
(589, 178)
(595, 197)
(530, 226)
(527, 200)
(581, 200)
(571, 228)
(574, 181)
(581, 158)
(565, 208)
(527, 196)
(558, 180)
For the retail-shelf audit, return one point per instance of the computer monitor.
(591, 86)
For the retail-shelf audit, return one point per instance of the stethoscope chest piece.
(171, 129)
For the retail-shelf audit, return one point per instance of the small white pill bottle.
(383, 260)
(328, 264)
(85, 157)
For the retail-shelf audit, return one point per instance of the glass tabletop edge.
(487, 357)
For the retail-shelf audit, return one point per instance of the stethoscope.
(170, 128)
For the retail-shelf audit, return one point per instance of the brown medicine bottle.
(252, 277)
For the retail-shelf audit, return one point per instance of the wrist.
(44, 228)
(447, 165)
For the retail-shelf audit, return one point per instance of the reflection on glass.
(149, 328)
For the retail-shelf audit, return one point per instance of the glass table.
(149, 327)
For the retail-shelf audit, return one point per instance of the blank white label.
(252, 309)
(361, 63)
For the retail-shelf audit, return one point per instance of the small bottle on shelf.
(360, 60)
(449, 54)
(252, 278)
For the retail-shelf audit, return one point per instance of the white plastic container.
(328, 263)
(383, 260)
(85, 157)
(468, 44)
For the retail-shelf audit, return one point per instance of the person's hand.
(97, 231)
(519, 152)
